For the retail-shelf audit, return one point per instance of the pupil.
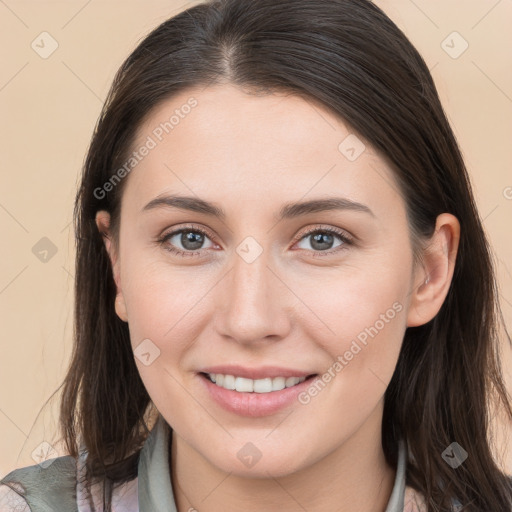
(321, 238)
(191, 240)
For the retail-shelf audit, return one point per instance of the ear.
(433, 278)
(103, 224)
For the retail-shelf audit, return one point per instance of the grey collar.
(396, 500)
(154, 479)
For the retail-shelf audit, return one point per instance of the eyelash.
(347, 241)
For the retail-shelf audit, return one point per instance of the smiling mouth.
(244, 385)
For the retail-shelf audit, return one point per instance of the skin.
(290, 307)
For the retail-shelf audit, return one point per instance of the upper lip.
(261, 372)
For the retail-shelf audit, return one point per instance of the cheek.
(164, 304)
(165, 317)
(354, 302)
(368, 325)
(359, 320)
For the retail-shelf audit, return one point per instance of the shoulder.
(413, 501)
(11, 501)
(49, 486)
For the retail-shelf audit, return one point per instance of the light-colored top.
(55, 485)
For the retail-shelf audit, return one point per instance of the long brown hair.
(348, 55)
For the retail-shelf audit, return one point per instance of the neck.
(355, 476)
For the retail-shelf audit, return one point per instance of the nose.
(255, 305)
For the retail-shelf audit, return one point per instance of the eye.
(322, 240)
(186, 241)
(190, 240)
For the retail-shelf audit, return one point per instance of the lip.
(254, 405)
(262, 372)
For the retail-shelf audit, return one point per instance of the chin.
(248, 461)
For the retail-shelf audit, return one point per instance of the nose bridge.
(250, 272)
(255, 304)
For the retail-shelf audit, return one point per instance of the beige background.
(50, 105)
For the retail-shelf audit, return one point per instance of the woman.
(284, 294)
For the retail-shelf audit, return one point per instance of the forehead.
(237, 146)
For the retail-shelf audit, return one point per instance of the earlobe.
(432, 280)
(120, 307)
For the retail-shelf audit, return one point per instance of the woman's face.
(295, 260)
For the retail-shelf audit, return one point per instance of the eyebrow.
(288, 211)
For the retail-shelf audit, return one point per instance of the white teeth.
(263, 385)
(229, 381)
(291, 381)
(243, 385)
(278, 383)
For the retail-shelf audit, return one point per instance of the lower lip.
(254, 404)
